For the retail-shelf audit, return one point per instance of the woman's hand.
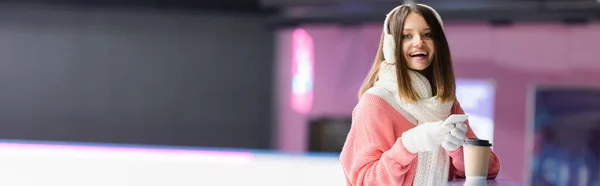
(425, 137)
(455, 138)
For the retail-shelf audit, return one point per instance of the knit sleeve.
(372, 155)
(458, 161)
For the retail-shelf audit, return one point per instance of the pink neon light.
(302, 71)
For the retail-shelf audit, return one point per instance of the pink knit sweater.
(374, 155)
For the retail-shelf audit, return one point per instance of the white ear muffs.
(389, 44)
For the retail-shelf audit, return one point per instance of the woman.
(396, 136)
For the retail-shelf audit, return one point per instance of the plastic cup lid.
(477, 142)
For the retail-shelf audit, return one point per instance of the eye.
(428, 35)
(406, 36)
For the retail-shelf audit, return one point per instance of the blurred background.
(260, 92)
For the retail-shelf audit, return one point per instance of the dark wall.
(135, 76)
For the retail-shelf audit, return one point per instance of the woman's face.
(417, 42)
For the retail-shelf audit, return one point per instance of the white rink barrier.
(64, 164)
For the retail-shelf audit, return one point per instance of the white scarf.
(432, 167)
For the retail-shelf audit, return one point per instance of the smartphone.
(455, 118)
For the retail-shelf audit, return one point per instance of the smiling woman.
(397, 136)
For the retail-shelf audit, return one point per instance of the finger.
(449, 146)
(462, 127)
(448, 124)
(458, 134)
(441, 130)
(453, 140)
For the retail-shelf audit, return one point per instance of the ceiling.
(496, 11)
(252, 6)
(291, 12)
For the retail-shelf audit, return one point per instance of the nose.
(417, 42)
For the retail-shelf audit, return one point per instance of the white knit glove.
(456, 137)
(425, 137)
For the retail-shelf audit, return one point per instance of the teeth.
(417, 53)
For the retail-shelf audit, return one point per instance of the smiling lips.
(418, 55)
